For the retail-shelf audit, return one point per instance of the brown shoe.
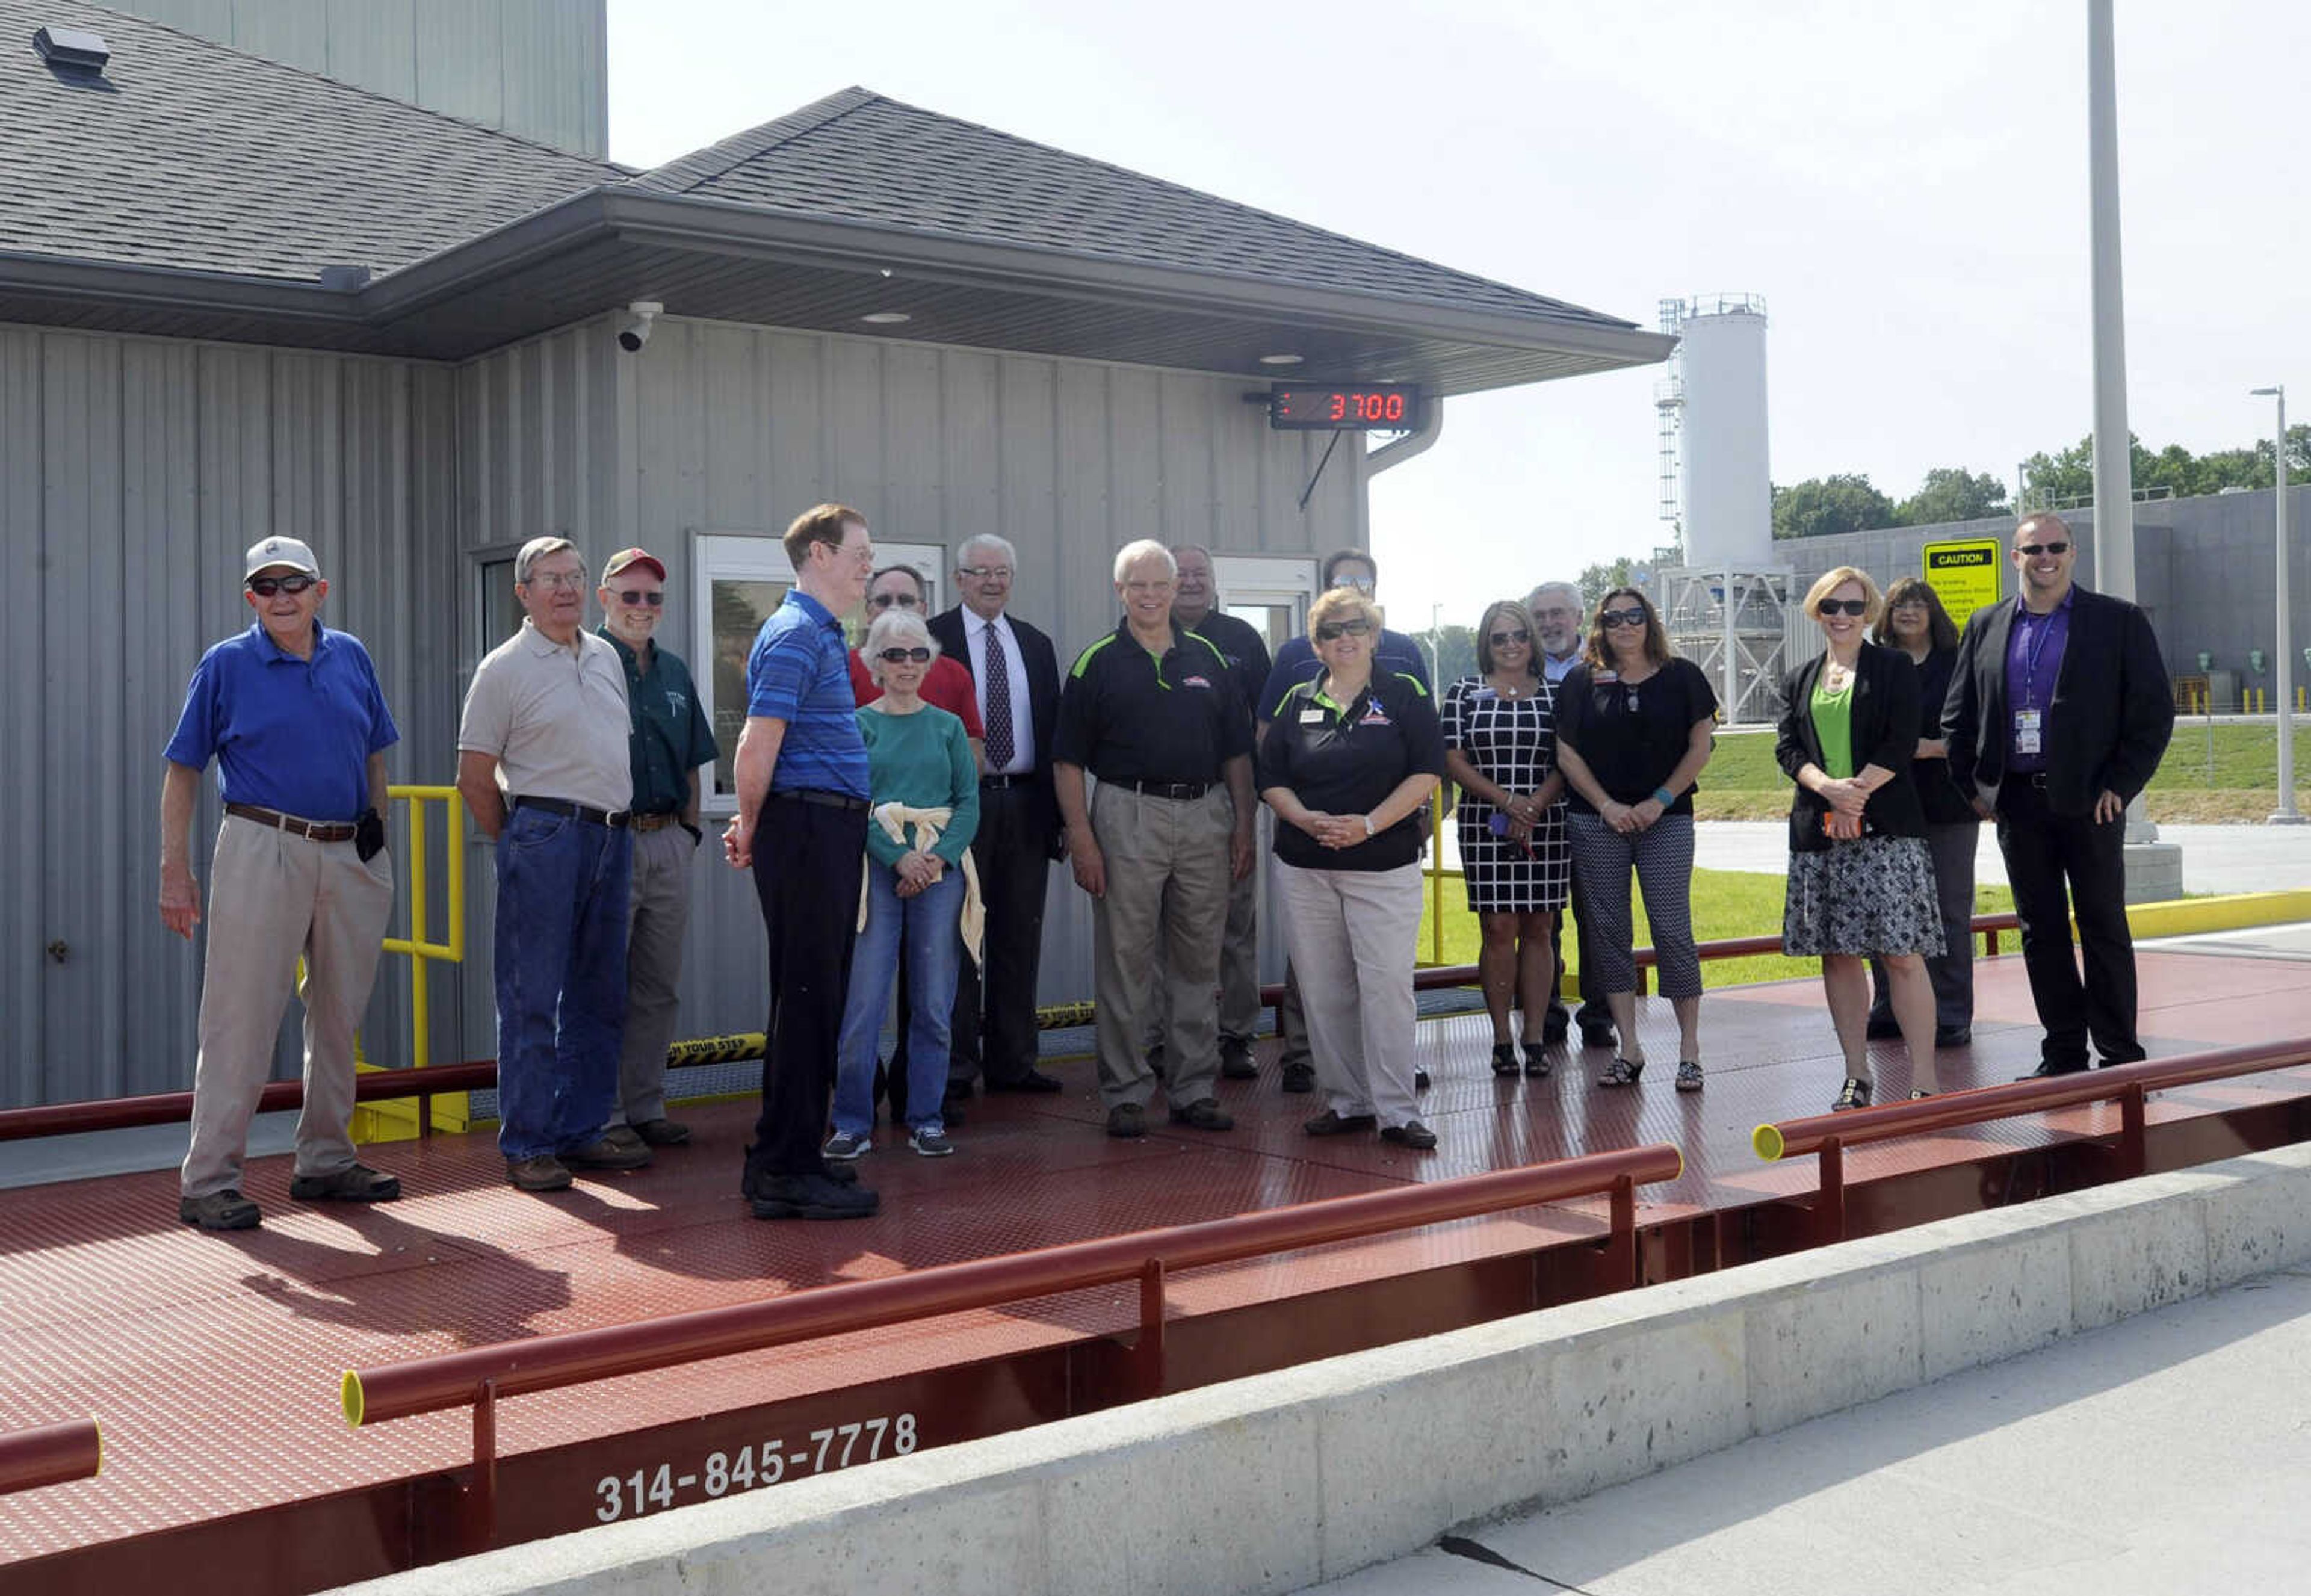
(356, 1183)
(219, 1210)
(606, 1153)
(544, 1172)
(662, 1133)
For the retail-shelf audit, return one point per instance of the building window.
(1269, 593)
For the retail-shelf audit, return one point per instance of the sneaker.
(602, 1153)
(1235, 1059)
(811, 1197)
(1412, 1133)
(219, 1210)
(662, 1133)
(356, 1183)
(544, 1172)
(1205, 1113)
(1126, 1121)
(930, 1141)
(1299, 1077)
(1332, 1123)
(1688, 1076)
(842, 1147)
(1855, 1094)
(754, 1183)
(1622, 1073)
(1598, 1036)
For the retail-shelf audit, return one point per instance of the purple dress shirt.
(2033, 662)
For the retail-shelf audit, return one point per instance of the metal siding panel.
(459, 65)
(1239, 434)
(1184, 483)
(729, 386)
(913, 454)
(24, 1060)
(794, 426)
(672, 426)
(852, 372)
(1135, 456)
(292, 31)
(971, 449)
(1028, 511)
(374, 43)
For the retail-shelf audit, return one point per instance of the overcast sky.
(1905, 184)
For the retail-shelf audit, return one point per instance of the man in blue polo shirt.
(292, 714)
(800, 770)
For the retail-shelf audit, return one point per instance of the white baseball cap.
(280, 551)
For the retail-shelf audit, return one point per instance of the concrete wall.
(1281, 1481)
(539, 68)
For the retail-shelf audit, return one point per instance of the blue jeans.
(561, 979)
(934, 956)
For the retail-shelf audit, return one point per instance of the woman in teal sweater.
(918, 889)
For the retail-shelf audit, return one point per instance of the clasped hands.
(1335, 831)
(918, 870)
(1632, 817)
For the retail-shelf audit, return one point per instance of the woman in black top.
(1861, 883)
(1917, 623)
(1346, 763)
(1634, 725)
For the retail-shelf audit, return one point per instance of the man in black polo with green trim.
(1153, 713)
(670, 741)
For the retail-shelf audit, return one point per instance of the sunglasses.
(2031, 551)
(914, 656)
(886, 600)
(265, 587)
(1501, 640)
(636, 595)
(1621, 617)
(1332, 630)
(1856, 607)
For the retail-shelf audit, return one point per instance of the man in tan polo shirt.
(542, 764)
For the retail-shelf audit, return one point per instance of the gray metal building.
(238, 297)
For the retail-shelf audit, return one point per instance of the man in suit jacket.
(2059, 710)
(1015, 673)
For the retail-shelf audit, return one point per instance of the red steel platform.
(213, 1361)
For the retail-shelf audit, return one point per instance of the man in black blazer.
(2059, 710)
(1015, 672)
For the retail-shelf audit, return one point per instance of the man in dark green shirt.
(670, 739)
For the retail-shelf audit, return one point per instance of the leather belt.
(318, 831)
(821, 796)
(1170, 790)
(656, 822)
(618, 820)
(998, 783)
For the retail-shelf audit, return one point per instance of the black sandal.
(1504, 1058)
(1622, 1073)
(1855, 1094)
(1536, 1068)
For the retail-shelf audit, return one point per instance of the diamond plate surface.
(214, 1360)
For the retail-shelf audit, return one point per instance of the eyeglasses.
(265, 587)
(985, 573)
(632, 596)
(1331, 631)
(2031, 551)
(918, 655)
(886, 600)
(1856, 607)
(556, 579)
(1501, 640)
(1620, 617)
(1362, 584)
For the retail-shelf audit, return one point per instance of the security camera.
(636, 331)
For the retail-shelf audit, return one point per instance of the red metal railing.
(1830, 1134)
(50, 1455)
(480, 1376)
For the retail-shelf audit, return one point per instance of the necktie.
(997, 703)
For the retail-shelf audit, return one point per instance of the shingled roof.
(863, 157)
(196, 156)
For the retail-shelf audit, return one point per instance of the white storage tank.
(1726, 481)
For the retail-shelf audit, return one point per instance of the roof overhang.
(702, 257)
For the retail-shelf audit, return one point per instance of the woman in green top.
(1861, 880)
(924, 783)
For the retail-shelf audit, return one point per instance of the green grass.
(1726, 903)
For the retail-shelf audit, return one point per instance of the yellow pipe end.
(349, 1394)
(1680, 1165)
(1767, 1142)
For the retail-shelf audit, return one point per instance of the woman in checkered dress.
(1500, 739)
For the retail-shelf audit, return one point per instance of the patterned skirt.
(1869, 896)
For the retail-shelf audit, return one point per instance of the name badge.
(1311, 717)
(2028, 730)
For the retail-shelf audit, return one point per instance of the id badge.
(2027, 727)
(1311, 717)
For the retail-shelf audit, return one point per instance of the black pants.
(998, 1035)
(2044, 850)
(1594, 1009)
(807, 879)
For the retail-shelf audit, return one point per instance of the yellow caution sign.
(1965, 575)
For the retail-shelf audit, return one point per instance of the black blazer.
(2107, 727)
(1885, 733)
(1042, 703)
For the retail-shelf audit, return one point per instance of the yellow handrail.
(420, 950)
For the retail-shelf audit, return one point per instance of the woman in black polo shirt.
(1346, 763)
(1634, 725)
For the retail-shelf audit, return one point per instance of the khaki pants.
(273, 896)
(1239, 992)
(658, 914)
(1161, 920)
(1354, 935)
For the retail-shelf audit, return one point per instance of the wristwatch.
(1368, 825)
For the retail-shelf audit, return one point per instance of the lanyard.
(2037, 647)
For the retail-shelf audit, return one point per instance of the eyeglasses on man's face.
(985, 573)
(634, 596)
(2031, 551)
(557, 579)
(1362, 584)
(918, 655)
(1621, 617)
(265, 587)
(1333, 631)
(886, 600)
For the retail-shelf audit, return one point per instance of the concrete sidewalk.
(2170, 1451)
(2216, 858)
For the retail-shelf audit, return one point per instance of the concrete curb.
(2235, 912)
(1283, 1480)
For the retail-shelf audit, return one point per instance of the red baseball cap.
(625, 558)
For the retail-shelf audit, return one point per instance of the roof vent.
(71, 49)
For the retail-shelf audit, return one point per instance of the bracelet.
(1664, 797)
(1368, 825)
